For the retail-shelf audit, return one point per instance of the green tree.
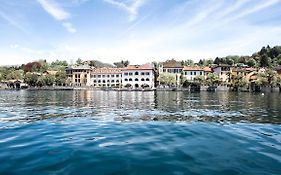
(264, 62)
(31, 79)
(212, 79)
(49, 79)
(79, 61)
(40, 81)
(189, 62)
(200, 79)
(252, 62)
(167, 79)
(60, 78)
(15, 75)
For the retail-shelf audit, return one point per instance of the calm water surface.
(139, 133)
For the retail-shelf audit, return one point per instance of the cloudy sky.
(137, 30)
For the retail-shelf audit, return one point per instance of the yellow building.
(79, 75)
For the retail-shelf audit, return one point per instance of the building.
(138, 76)
(173, 67)
(207, 71)
(190, 72)
(223, 71)
(106, 77)
(79, 75)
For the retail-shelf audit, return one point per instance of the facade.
(223, 71)
(138, 76)
(79, 75)
(173, 67)
(191, 72)
(106, 77)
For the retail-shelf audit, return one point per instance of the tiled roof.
(207, 69)
(246, 69)
(172, 64)
(193, 68)
(139, 67)
(79, 67)
(107, 70)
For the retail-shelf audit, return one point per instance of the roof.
(51, 72)
(85, 67)
(222, 65)
(244, 69)
(207, 69)
(172, 64)
(192, 68)
(107, 70)
(139, 67)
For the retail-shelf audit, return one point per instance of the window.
(103, 75)
(107, 80)
(147, 73)
(117, 81)
(125, 79)
(194, 73)
(95, 81)
(112, 75)
(190, 73)
(112, 81)
(136, 73)
(136, 79)
(201, 73)
(99, 76)
(130, 79)
(147, 79)
(130, 73)
(103, 81)
(126, 74)
(117, 75)
(142, 79)
(99, 81)
(94, 76)
(142, 73)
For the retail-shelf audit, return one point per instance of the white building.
(138, 76)
(191, 72)
(106, 77)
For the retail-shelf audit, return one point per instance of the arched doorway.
(136, 85)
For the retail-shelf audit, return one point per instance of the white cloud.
(69, 27)
(12, 21)
(131, 7)
(54, 10)
(14, 46)
(59, 13)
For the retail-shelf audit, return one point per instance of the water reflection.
(219, 107)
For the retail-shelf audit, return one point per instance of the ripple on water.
(86, 132)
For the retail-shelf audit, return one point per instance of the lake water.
(139, 133)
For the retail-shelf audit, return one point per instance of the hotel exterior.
(138, 76)
(106, 77)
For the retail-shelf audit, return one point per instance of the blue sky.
(138, 30)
